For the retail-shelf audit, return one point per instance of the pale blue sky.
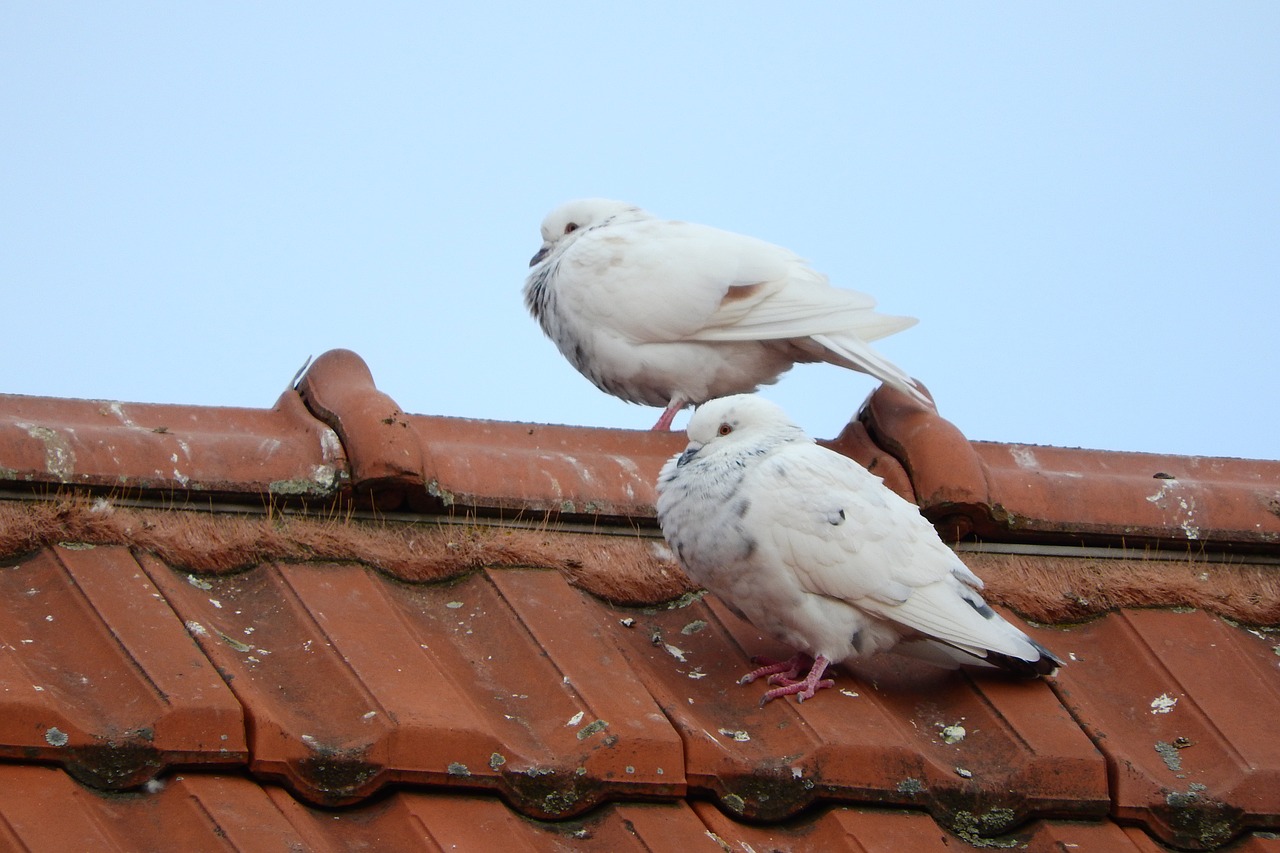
(1081, 202)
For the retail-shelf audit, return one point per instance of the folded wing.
(847, 536)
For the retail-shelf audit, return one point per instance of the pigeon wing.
(797, 303)
(846, 535)
(657, 281)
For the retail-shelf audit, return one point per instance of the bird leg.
(802, 689)
(669, 414)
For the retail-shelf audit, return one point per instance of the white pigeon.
(819, 554)
(670, 313)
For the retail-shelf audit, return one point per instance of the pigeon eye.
(571, 227)
(725, 429)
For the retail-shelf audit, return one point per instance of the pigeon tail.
(857, 355)
(1046, 664)
(949, 656)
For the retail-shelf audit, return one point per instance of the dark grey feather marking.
(539, 298)
(1046, 664)
(982, 607)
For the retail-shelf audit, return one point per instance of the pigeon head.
(576, 217)
(738, 421)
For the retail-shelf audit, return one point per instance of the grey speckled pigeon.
(671, 313)
(819, 554)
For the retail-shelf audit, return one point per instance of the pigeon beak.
(542, 253)
(689, 452)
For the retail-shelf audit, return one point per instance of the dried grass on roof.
(1068, 589)
(621, 569)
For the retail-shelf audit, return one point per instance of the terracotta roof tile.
(205, 812)
(879, 740)
(460, 630)
(1183, 706)
(100, 676)
(493, 665)
(485, 664)
(839, 829)
(1013, 492)
(338, 389)
(543, 471)
(1001, 493)
(129, 447)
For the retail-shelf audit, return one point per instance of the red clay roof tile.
(1001, 493)
(204, 812)
(100, 676)
(293, 662)
(537, 471)
(494, 666)
(129, 447)
(402, 669)
(878, 738)
(1183, 706)
(338, 389)
(1010, 492)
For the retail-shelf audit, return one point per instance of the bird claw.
(821, 685)
(803, 688)
(787, 669)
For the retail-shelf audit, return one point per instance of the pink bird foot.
(779, 671)
(802, 689)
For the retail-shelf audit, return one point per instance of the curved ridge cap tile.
(381, 448)
(542, 468)
(1123, 493)
(855, 442)
(153, 446)
(945, 471)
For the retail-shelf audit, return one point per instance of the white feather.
(670, 313)
(815, 550)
